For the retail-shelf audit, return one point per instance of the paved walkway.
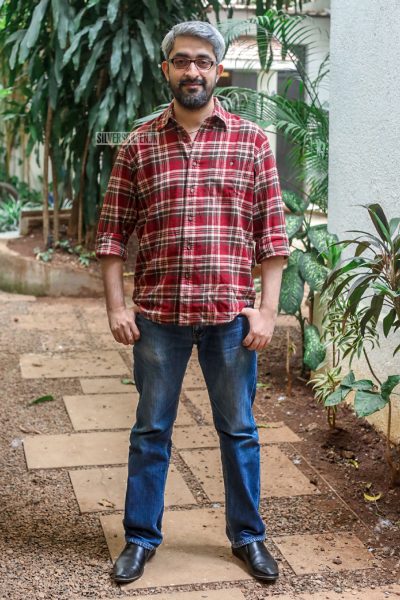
(64, 347)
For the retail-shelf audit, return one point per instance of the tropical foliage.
(357, 292)
(81, 67)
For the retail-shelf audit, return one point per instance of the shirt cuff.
(265, 248)
(111, 244)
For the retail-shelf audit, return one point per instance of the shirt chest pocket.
(228, 177)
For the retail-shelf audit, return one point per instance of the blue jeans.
(230, 372)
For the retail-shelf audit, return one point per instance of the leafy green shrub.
(357, 291)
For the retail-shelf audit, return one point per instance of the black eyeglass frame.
(194, 60)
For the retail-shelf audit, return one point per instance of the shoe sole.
(261, 577)
(122, 580)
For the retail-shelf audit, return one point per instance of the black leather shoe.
(129, 566)
(259, 560)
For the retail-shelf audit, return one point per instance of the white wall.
(364, 129)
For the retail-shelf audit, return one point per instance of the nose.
(192, 69)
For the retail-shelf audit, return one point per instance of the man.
(200, 186)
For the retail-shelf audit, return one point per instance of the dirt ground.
(49, 551)
(27, 245)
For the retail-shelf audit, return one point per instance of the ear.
(165, 69)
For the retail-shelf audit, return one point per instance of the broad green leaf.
(292, 291)
(321, 238)
(350, 264)
(14, 54)
(393, 225)
(147, 39)
(388, 386)
(379, 220)
(116, 54)
(334, 398)
(89, 69)
(314, 350)
(137, 61)
(376, 306)
(153, 9)
(295, 257)
(132, 98)
(126, 67)
(293, 224)
(388, 321)
(112, 10)
(17, 35)
(294, 202)
(53, 89)
(33, 31)
(348, 380)
(312, 270)
(62, 23)
(94, 31)
(58, 63)
(74, 45)
(363, 384)
(366, 403)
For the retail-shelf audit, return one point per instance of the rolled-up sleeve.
(119, 211)
(269, 226)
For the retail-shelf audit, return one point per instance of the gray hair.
(199, 29)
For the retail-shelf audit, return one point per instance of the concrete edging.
(24, 275)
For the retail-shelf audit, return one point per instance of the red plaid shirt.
(205, 212)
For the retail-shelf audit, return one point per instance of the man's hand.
(123, 325)
(262, 324)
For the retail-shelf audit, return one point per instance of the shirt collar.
(219, 113)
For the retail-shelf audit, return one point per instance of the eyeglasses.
(181, 62)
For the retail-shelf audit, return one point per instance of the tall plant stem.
(56, 214)
(49, 120)
(370, 367)
(81, 189)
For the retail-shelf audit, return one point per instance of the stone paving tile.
(79, 364)
(387, 592)
(279, 476)
(96, 319)
(227, 594)
(7, 297)
(323, 552)
(276, 433)
(103, 489)
(200, 399)
(195, 549)
(76, 449)
(105, 385)
(193, 381)
(205, 436)
(102, 411)
(111, 411)
(197, 436)
(47, 321)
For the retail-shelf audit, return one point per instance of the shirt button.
(190, 217)
(188, 246)
(195, 162)
(231, 162)
(192, 189)
(187, 275)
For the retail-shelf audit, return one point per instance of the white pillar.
(364, 164)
